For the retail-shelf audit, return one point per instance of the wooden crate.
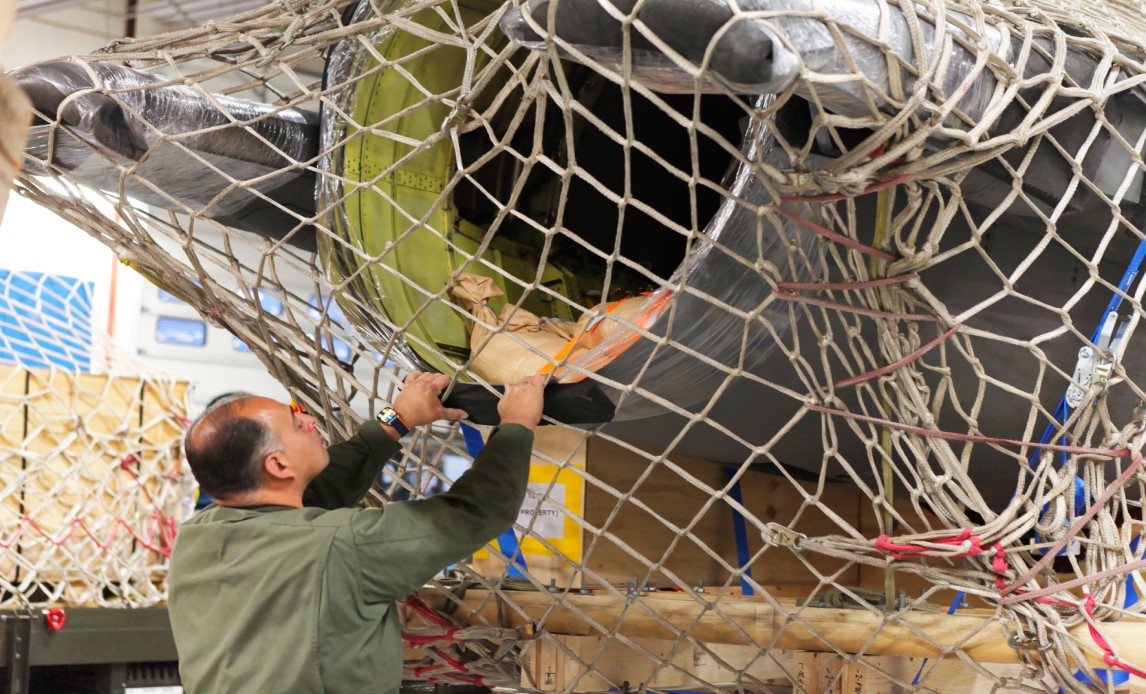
(84, 460)
(626, 522)
(563, 663)
(79, 428)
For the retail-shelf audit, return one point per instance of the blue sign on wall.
(45, 321)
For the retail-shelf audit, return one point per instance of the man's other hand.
(523, 401)
(420, 402)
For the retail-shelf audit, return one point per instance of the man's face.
(302, 448)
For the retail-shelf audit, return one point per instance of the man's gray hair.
(228, 462)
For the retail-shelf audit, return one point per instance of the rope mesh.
(879, 296)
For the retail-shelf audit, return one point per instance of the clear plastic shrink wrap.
(118, 129)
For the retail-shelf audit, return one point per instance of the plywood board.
(814, 673)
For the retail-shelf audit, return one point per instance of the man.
(279, 587)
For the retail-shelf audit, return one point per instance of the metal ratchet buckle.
(1027, 643)
(1095, 364)
(785, 537)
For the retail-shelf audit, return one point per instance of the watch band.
(390, 417)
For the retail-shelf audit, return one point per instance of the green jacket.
(273, 600)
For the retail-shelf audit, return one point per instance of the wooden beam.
(754, 622)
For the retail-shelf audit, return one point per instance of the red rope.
(829, 234)
(451, 669)
(899, 364)
(1000, 566)
(426, 612)
(848, 308)
(475, 680)
(974, 438)
(835, 197)
(844, 286)
(424, 639)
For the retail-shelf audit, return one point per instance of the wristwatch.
(390, 417)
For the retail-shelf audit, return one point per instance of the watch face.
(390, 417)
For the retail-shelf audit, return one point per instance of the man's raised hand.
(420, 400)
(523, 402)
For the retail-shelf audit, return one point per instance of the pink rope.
(159, 522)
(844, 286)
(847, 308)
(419, 606)
(897, 551)
(1109, 657)
(450, 669)
(829, 234)
(1076, 527)
(899, 364)
(953, 436)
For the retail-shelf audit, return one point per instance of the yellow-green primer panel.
(403, 220)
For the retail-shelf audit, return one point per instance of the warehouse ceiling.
(153, 15)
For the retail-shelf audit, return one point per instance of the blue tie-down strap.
(1062, 411)
(506, 542)
(740, 531)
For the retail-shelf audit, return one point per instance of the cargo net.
(93, 486)
(857, 278)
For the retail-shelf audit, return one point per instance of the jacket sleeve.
(404, 545)
(354, 465)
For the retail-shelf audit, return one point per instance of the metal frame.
(89, 636)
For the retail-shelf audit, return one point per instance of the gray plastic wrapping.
(724, 312)
(766, 55)
(175, 147)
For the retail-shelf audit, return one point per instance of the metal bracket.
(1095, 364)
(1027, 643)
